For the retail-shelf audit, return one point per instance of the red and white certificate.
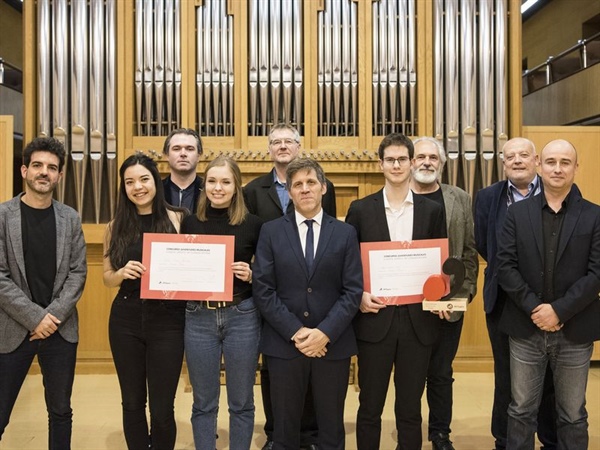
(187, 267)
(396, 271)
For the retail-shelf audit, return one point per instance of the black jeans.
(57, 359)
(146, 340)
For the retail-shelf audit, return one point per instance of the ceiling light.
(528, 4)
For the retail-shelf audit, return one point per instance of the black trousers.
(146, 340)
(308, 427)
(289, 384)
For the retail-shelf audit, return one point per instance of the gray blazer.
(459, 223)
(19, 315)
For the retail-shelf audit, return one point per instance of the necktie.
(309, 252)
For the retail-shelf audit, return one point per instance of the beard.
(38, 188)
(425, 176)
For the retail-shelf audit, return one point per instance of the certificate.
(396, 271)
(187, 267)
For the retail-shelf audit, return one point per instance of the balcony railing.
(584, 54)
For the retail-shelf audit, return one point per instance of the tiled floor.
(97, 418)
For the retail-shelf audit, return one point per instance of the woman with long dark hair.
(146, 336)
(224, 329)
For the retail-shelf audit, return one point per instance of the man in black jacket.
(549, 267)
(183, 148)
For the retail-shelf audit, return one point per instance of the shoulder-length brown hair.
(237, 209)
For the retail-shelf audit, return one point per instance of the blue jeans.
(57, 359)
(234, 334)
(146, 340)
(570, 364)
(501, 352)
(440, 378)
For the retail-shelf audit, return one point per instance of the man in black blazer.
(520, 167)
(307, 283)
(399, 337)
(183, 148)
(549, 266)
(267, 197)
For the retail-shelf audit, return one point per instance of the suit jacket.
(576, 273)
(198, 186)
(289, 297)
(489, 213)
(19, 315)
(262, 200)
(368, 218)
(459, 224)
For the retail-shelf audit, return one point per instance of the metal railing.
(584, 54)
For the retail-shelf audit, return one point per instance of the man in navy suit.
(267, 197)
(399, 337)
(491, 204)
(549, 266)
(307, 285)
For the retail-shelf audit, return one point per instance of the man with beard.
(427, 166)
(183, 148)
(42, 275)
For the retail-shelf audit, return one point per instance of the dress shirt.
(400, 221)
(514, 195)
(303, 229)
(552, 222)
(282, 193)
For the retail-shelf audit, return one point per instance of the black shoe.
(268, 445)
(441, 442)
(310, 447)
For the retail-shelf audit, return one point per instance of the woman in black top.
(146, 336)
(224, 329)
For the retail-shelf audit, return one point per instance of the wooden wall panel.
(557, 27)
(587, 142)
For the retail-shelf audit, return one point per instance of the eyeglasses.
(389, 161)
(278, 142)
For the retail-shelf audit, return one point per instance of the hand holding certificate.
(396, 272)
(188, 267)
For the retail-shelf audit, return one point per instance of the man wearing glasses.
(398, 337)
(267, 197)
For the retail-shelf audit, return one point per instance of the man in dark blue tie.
(308, 285)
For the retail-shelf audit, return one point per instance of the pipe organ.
(275, 65)
(471, 88)
(76, 91)
(157, 67)
(214, 69)
(394, 67)
(337, 77)
(344, 72)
